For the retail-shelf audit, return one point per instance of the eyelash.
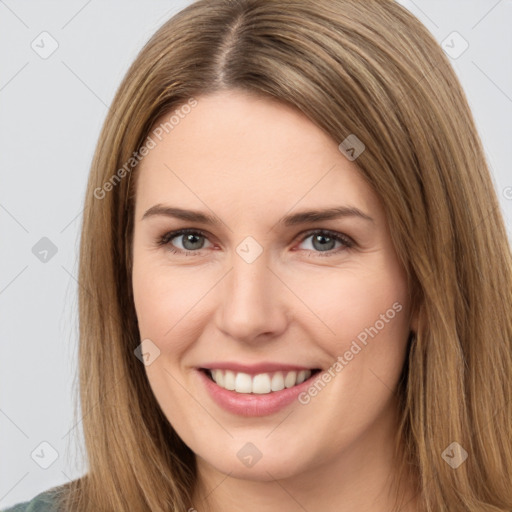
(347, 242)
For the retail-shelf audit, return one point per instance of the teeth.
(260, 384)
(290, 379)
(218, 377)
(277, 382)
(302, 376)
(243, 383)
(229, 380)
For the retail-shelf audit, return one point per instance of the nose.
(252, 302)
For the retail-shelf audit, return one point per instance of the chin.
(258, 460)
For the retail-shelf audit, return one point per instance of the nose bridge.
(250, 280)
(249, 302)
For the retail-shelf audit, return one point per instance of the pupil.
(322, 246)
(190, 239)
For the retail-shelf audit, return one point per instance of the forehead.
(250, 151)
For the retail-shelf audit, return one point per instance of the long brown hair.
(365, 68)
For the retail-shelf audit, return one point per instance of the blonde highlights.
(364, 68)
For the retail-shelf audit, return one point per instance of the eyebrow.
(303, 217)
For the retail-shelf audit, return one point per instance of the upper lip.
(255, 369)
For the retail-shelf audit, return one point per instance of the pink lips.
(249, 404)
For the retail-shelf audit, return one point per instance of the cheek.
(366, 313)
(163, 298)
(164, 303)
(152, 301)
(354, 304)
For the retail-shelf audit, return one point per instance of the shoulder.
(43, 502)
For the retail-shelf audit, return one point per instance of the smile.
(261, 384)
(257, 390)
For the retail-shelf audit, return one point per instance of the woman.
(296, 285)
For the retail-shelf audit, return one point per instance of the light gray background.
(51, 111)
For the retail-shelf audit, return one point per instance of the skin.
(249, 161)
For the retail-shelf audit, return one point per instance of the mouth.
(265, 383)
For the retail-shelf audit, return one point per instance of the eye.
(191, 241)
(324, 241)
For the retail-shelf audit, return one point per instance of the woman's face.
(260, 295)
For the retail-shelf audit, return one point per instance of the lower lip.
(253, 404)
